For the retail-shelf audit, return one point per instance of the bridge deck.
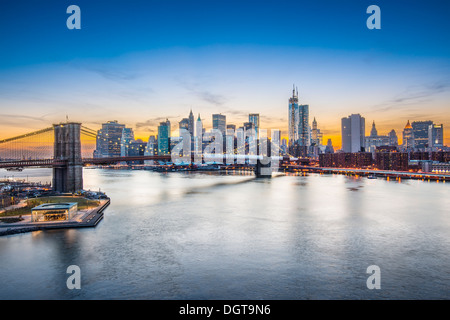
(111, 160)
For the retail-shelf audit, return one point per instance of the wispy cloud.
(236, 113)
(200, 92)
(108, 72)
(114, 75)
(414, 95)
(20, 117)
(18, 121)
(242, 115)
(151, 124)
(215, 99)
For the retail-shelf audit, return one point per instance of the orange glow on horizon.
(334, 131)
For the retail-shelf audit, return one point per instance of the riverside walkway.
(366, 172)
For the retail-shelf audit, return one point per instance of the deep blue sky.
(160, 58)
(34, 31)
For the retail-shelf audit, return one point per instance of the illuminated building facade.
(54, 211)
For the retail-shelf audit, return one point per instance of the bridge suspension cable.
(32, 145)
(89, 132)
(26, 135)
(38, 145)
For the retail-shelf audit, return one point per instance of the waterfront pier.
(90, 218)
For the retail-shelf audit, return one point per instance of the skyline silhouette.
(156, 60)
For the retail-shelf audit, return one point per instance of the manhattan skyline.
(142, 63)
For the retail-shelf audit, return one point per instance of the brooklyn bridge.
(67, 148)
(64, 147)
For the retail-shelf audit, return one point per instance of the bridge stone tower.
(68, 178)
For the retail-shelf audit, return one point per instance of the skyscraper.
(248, 135)
(164, 138)
(219, 122)
(393, 139)
(420, 133)
(152, 147)
(231, 127)
(299, 130)
(183, 124)
(436, 136)
(316, 135)
(248, 126)
(108, 139)
(275, 144)
(198, 138)
(353, 133)
(303, 125)
(375, 141)
(125, 141)
(329, 148)
(293, 118)
(408, 137)
(137, 148)
(254, 118)
(191, 127)
(230, 140)
(314, 130)
(283, 146)
(374, 131)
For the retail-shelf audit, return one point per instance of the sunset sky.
(140, 62)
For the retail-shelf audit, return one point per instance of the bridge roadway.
(87, 161)
(110, 160)
(32, 163)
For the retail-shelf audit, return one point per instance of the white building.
(353, 133)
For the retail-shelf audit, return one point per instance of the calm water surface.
(210, 236)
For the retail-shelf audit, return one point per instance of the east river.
(213, 236)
